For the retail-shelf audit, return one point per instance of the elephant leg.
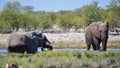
(87, 43)
(96, 43)
(99, 44)
(34, 50)
(88, 46)
(42, 49)
(19, 49)
(49, 48)
(31, 50)
(104, 42)
(94, 46)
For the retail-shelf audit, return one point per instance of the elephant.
(96, 33)
(27, 42)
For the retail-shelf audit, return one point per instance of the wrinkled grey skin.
(96, 33)
(27, 42)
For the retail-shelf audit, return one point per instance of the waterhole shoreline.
(4, 51)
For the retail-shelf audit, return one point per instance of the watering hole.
(4, 51)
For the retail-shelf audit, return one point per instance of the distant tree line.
(15, 16)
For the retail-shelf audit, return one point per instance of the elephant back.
(16, 39)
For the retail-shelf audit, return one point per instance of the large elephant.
(27, 42)
(96, 33)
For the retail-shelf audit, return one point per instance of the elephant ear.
(40, 35)
(107, 24)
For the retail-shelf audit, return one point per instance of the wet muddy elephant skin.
(96, 33)
(27, 42)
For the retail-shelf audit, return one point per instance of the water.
(4, 51)
(82, 50)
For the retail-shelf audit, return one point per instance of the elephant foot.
(102, 50)
(50, 48)
(42, 49)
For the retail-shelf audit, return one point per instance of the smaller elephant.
(27, 42)
(96, 33)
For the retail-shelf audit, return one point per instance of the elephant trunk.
(104, 43)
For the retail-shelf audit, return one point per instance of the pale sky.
(55, 5)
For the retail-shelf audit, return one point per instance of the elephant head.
(100, 29)
(44, 42)
(40, 40)
(103, 30)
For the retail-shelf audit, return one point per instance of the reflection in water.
(4, 51)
